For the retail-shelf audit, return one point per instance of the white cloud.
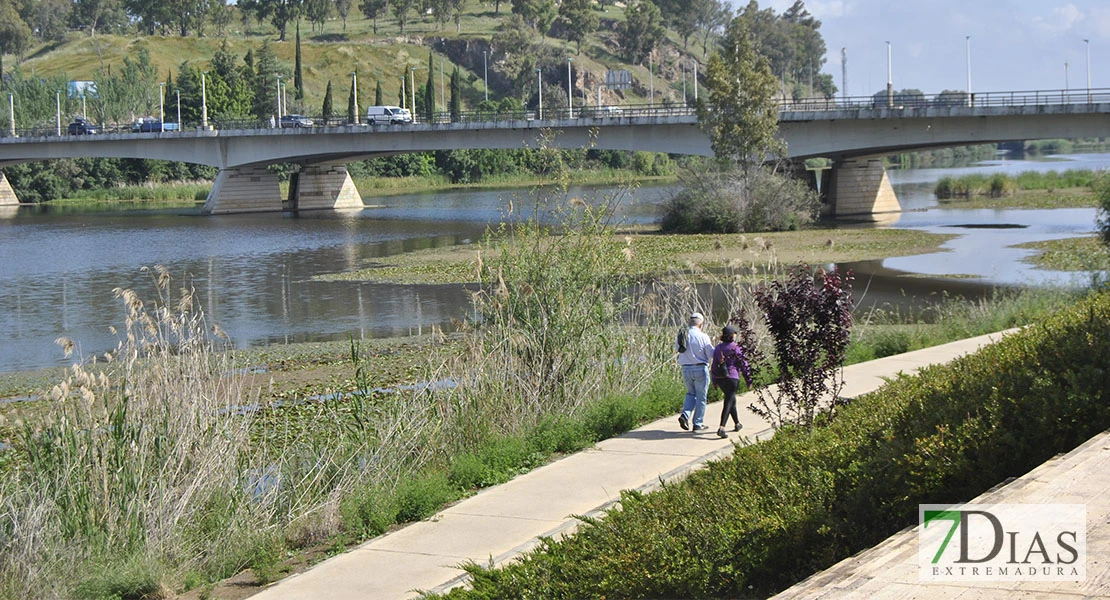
(1063, 18)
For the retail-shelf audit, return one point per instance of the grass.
(654, 254)
(1030, 189)
(1070, 254)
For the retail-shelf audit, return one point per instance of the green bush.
(801, 501)
(422, 495)
(756, 199)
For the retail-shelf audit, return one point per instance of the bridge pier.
(323, 186)
(860, 186)
(7, 194)
(244, 189)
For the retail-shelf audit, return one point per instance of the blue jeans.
(696, 378)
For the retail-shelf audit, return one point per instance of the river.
(255, 274)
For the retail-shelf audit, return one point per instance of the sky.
(1015, 45)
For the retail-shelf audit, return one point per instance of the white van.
(388, 115)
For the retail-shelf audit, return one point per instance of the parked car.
(610, 111)
(82, 126)
(296, 121)
(150, 124)
(388, 115)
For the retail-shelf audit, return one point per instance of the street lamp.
(354, 91)
(277, 87)
(683, 65)
(58, 110)
(539, 80)
(84, 113)
(570, 98)
(203, 103)
(485, 74)
(969, 101)
(1088, 43)
(412, 84)
(651, 76)
(889, 80)
(284, 102)
(11, 114)
(178, 94)
(695, 81)
(162, 107)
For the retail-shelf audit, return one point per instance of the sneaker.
(700, 427)
(738, 427)
(683, 422)
(721, 432)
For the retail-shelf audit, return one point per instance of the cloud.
(1063, 18)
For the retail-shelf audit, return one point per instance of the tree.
(221, 16)
(372, 9)
(327, 110)
(318, 12)
(457, 10)
(378, 94)
(456, 95)
(540, 14)
(343, 8)
(351, 116)
(15, 35)
(401, 10)
(440, 9)
(1101, 187)
(641, 32)
(581, 20)
(710, 17)
(298, 77)
(430, 91)
(98, 14)
(280, 12)
(263, 82)
(741, 115)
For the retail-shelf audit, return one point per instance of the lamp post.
(58, 110)
(442, 87)
(651, 77)
(969, 101)
(277, 91)
(284, 104)
(162, 107)
(203, 103)
(695, 81)
(84, 113)
(889, 80)
(178, 94)
(683, 65)
(412, 90)
(485, 73)
(354, 91)
(570, 97)
(539, 82)
(11, 114)
(1088, 43)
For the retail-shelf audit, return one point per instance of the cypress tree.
(327, 108)
(402, 95)
(430, 91)
(378, 94)
(456, 94)
(298, 76)
(351, 106)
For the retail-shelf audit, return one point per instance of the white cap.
(696, 317)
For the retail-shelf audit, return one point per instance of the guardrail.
(897, 101)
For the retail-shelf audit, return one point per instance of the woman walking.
(729, 363)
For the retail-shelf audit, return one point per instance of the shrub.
(800, 502)
(756, 199)
(1101, 187)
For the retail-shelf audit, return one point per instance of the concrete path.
(499, 523)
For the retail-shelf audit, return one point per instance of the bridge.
(854, 132)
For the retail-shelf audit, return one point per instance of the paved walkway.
(499, 523)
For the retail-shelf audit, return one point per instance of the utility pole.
(844, 74)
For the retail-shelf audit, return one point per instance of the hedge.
(777, 511)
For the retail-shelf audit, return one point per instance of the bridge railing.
(610, 112)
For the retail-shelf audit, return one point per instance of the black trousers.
(728, 388)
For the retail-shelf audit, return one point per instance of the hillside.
(332, 52)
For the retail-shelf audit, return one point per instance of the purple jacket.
(733, 356)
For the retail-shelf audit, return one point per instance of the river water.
(255, 274)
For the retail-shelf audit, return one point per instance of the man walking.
(695, 352)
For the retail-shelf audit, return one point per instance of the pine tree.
(327, 108)
(378, 94)
(402, 95)
(298, 76)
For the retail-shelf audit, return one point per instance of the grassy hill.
(331, 54)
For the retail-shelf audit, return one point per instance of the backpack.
(681, 339)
